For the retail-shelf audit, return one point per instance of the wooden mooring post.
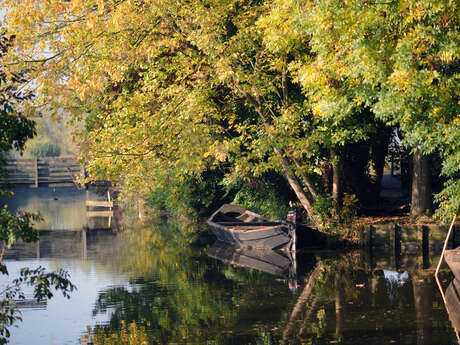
(36, 172)
(403, 244)
(397, 245)
(425, 247)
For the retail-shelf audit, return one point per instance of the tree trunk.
(308, 182)
(336, 182)
(298, 190)
(292, 180)
(301, 302)
(379, 149)
(338, 304)
(326, 176)
(423, 303)
(421, 186)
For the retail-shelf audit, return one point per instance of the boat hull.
(236, 226)
(273, 238)
(452, 297)
(452, 258)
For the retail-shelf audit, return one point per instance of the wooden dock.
(93, 208)
(48, 171)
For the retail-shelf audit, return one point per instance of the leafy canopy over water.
(170, 89)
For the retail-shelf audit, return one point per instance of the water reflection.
(62, 208)
(354, 305)
(160, 277)
(182, 295)
(193, 299)
(82, 244)
(278, 263)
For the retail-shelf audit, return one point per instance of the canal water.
(168, 283)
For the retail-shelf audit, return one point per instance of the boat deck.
(246, 228)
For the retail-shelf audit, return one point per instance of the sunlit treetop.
(173, 88)
(400, 59)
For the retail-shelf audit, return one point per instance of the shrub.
(42, 147)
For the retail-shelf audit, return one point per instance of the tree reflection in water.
(177, 292)
(179, 295)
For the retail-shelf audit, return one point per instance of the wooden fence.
(48, 171)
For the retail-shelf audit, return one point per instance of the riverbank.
(388, 232)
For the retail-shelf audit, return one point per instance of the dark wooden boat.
(452, 257)
(267, 261)
(452, 301)
(237, 226)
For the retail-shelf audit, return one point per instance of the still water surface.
(170, 280)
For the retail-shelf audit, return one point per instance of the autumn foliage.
(162, 91)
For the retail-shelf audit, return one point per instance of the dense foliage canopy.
(15, 129)
(170, 90)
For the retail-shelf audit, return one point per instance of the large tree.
(400, 59)
(168, 89)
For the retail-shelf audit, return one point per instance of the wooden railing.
(48, 171)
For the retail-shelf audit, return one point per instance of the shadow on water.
(169, 280)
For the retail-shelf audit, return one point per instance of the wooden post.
(292, 224)
(294, 237)
(36, 172)
(84, 243)
(110, 207)
(425, 247)
(369, 234)
(397, 246)
(109, 199)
